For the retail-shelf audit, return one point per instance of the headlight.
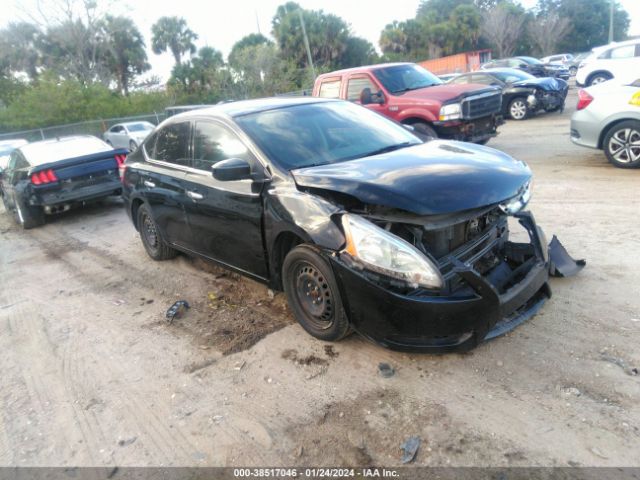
(518, 202)
(450, 112)
(382, 252)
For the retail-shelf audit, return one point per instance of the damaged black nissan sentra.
(363, 226)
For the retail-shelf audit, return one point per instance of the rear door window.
(172, 144)
(357, 85)
(330, 89)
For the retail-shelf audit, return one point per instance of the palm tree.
(172, 34)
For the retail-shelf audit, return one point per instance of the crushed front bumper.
(477, 130)
(450, 322)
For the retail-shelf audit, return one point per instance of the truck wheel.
(622, 144)
(27, 216)
(424, 131)
(313, 294)
(518, 108)
(151, 239)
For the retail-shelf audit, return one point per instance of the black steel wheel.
(313, 294)
(151, 238)
(622, 144)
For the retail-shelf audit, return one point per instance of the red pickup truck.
(413, 96)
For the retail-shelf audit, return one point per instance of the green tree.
(250, 40)
(588, 22)
(124, 51)
(19, 45)
(172, 34)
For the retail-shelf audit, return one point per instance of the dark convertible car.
(363, 226)
(522, 93)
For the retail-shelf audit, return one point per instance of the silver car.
(128, 135)
(608, 118)
(8, 146)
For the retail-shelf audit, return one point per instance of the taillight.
(584, 99)
(120, 159)
(44, 177)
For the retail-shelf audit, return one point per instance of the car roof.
(62, 148)
(245, 107)
(125, 124)
(365, 68)
(13, 143)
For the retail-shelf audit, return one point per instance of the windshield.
(402, 78)
(321, 133)
(531, 60)
(139, 127)
(512, 75)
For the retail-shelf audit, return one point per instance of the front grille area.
(483, 105)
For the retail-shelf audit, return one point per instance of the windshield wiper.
(387, 149)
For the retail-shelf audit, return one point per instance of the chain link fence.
(91, 127)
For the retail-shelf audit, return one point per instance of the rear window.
(330, 89)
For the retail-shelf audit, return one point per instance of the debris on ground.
(562, 264)
(409, 449)
(126, 441)
(385, 370)
(330, 352)
(621, 363)
(177, 310)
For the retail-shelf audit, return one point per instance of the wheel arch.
(608, 127)
(596, 72)
(284, 242)
(135, 206)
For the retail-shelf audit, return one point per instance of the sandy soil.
(93, 375)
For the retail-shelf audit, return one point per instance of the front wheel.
(518, 109)
(599, 78)
(153, 243)
(622, 144)
(313, 295)
(424, 131)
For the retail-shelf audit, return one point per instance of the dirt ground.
(93, 375)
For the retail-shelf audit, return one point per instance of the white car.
(559, 59)
(607, 117)
(8, 146)
(619, 60)
(128, 135)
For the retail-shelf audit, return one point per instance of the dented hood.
(434, 178)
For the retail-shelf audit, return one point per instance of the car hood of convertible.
(434, 178)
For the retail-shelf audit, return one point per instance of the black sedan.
(522, 93)
(530, 65)
(363, 226)
(50, 176)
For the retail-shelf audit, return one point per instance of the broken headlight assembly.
(517, 203)
(374, 249)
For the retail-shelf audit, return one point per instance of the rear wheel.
(599, 78)
(313, 294)
(518, 108)
(150, 236)
(26, 215)
(622, 144)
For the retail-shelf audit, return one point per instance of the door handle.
(149, 184)
(195, 195)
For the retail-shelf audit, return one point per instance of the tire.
(483, 142)
(518, 109)
(25, 215)
(313, 294)
(153, 243)
(599, 77)
(621, 144)
(132, 146)
(424, 131)
(573, 71)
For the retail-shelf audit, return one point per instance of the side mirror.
(231, 169)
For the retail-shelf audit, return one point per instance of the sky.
(220, 24)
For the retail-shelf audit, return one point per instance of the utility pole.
(611, 21)
(257, 22)
(306, 44)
